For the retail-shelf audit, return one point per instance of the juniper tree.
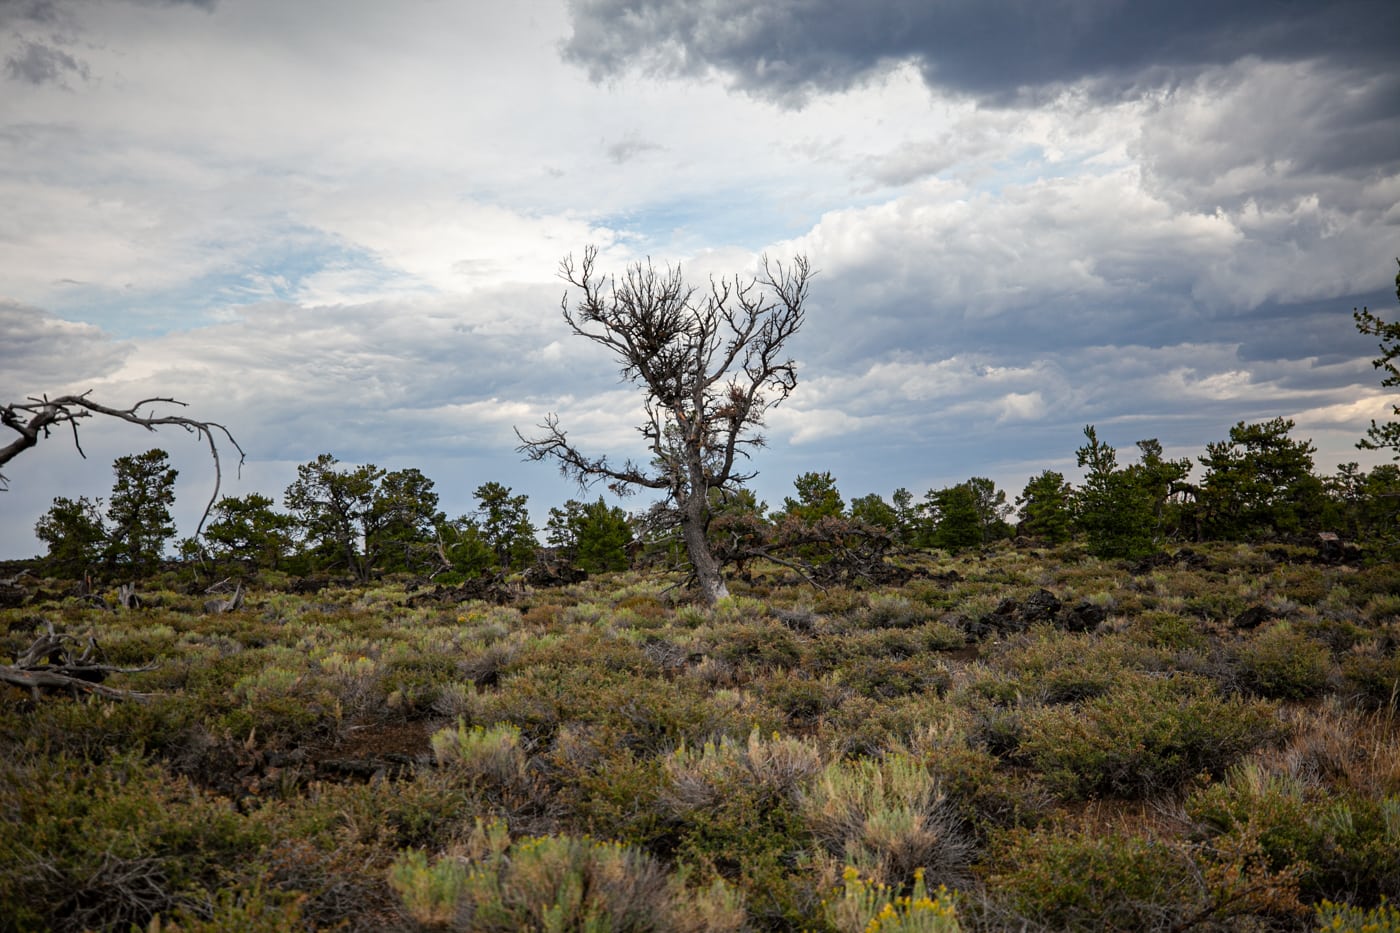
(75, 533)
(361, 515)
(1115, 507)
(504, 523)
(594, 536)
(1259, 483)
(246, 528)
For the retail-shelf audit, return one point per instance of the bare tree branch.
(709, 364)
(49, 664)
(37, 417)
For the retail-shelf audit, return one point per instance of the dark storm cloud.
(994, 51)
(43, 60)
(1262, 133)
(37, 63)
(33, 11)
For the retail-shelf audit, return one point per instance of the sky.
(335, 226)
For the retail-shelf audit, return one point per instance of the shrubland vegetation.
(1015, 737)
(1158, 703)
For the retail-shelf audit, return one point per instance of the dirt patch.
(370, 740)
(375, 751)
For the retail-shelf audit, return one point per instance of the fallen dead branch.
(51, 664)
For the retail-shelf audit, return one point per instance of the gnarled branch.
(49, 664)
(38, 416)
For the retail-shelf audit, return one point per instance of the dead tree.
(51, 664)
(127, 597)
(37, 417)
(709, 363)
(834, 551)
(218, 605)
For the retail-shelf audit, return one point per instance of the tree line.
(1257, 484)
(709, 365)
(357, 520)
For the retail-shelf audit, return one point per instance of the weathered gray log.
(49, 664)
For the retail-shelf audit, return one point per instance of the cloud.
(1021, 406)
(1273, 134)
(37, 64)
(1051, 263)
(43, 60)
(804, 425)
(789, 51)
(369, 381)
(339, 232)
(630, 147)
(45, 354)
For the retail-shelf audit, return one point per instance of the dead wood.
(126, 595)
(37, 416)
(51, 663)
(232, 604)
(832, 551)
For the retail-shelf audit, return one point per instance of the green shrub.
(1148, 735)
(1378, 579)
(775, 769)
(1339, 635)
(889, 611)
(733, 806)
(803, 699)
(1305, 584)
(1092, 879)
(92, 731)
(430, 890)
(1058, 667)
(886, 678)
(552, 883)
(1171, 631)
(1374, 677)
(606, 791)
(411, 683)
(1331, 842)
(247, 910)
(480, 753)
(756, 644)
(984, 796)
(104, 846)
(135, 647)
(644, 713)
(1283, 663)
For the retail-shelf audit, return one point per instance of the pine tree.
(1045, 507)
(1383, 436)
(139, 510)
